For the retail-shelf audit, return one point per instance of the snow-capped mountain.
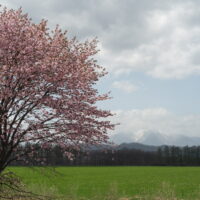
(150, 138)
(156, 139)
(149, 141)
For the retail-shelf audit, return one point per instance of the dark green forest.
(163, 156)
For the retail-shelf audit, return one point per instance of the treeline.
(164, 156)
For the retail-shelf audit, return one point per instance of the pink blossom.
(46, 88)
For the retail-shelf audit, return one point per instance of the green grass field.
(90, 182)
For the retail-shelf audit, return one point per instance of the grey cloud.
(110, 20)
(157, 37)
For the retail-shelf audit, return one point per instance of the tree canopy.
(47, 93)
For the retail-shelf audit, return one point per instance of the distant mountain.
(182, 140)
(151, 138)
(157, 139)
(149, 141)
(133, 145)
(137, 146)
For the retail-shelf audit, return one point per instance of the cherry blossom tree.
(47, 94)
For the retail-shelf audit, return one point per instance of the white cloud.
(158, 120)
(125, 86)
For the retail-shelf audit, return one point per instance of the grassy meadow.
(113, 182)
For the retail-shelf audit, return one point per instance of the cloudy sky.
(151, 49)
